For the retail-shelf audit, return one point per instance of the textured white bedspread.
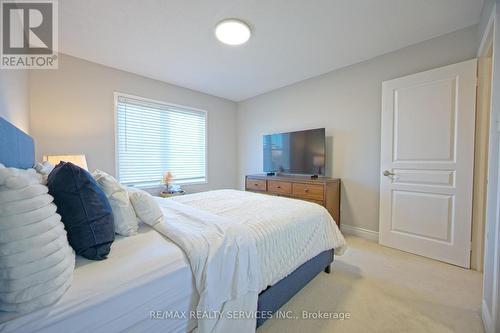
(223, 260)
(288, 232)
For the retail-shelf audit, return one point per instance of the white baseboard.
(486, 316)
(360, 232)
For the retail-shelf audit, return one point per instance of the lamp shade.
(319, 160)
(78, 160)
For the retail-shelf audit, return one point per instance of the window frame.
(118, 94)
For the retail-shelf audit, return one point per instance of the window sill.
(191, 182)
(158, 186)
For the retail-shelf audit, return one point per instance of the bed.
(143, 273)
(148, 272)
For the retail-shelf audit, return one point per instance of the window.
(153, 137)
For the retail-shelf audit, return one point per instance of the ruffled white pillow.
(36, 261)
(145, 206)
(44, 168)
(126, 223)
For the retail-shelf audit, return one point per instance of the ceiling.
(173, 40)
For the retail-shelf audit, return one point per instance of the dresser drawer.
(308, 191)
(278, 187)
(256, 184)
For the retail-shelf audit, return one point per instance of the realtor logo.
(29, 34)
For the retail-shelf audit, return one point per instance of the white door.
(427, 159)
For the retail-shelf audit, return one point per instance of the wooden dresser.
(324, 191)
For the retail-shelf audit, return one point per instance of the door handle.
(388, 173)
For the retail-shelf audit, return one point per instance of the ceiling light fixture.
(232, 32)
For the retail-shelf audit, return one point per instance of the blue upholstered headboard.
(17, 149)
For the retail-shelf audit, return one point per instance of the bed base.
(274, 297)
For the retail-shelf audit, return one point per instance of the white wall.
(14, 101)
(347, 102)
(72, 111)
(485, 16)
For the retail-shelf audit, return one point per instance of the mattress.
(288, 232)
(143, 273)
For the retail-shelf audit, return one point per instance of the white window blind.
(154, 137)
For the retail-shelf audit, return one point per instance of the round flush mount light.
(232, 32)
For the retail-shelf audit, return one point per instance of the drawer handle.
(255, 184)
(306, 190)
(279, 187)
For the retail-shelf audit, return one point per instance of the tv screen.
(301, 152)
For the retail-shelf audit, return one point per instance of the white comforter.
(238, 243)
(223, 259)
(287, 232)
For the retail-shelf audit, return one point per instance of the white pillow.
(14, 178)
(44, 168)
(33, 216)
(145, 206)
(36, 261)
(25, 205)
(7, 195)
(126, 223)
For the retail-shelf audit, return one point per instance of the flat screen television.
(301, 152)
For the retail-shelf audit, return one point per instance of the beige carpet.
(386, 290)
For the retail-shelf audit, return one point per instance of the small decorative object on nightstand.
(167, 180)
(171, 190)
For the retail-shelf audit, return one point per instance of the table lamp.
(78, 160)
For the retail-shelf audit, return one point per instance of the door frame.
(481, 150)
(491, 316)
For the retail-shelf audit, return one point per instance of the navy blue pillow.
(84, 209)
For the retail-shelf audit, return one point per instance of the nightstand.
(164, 194)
